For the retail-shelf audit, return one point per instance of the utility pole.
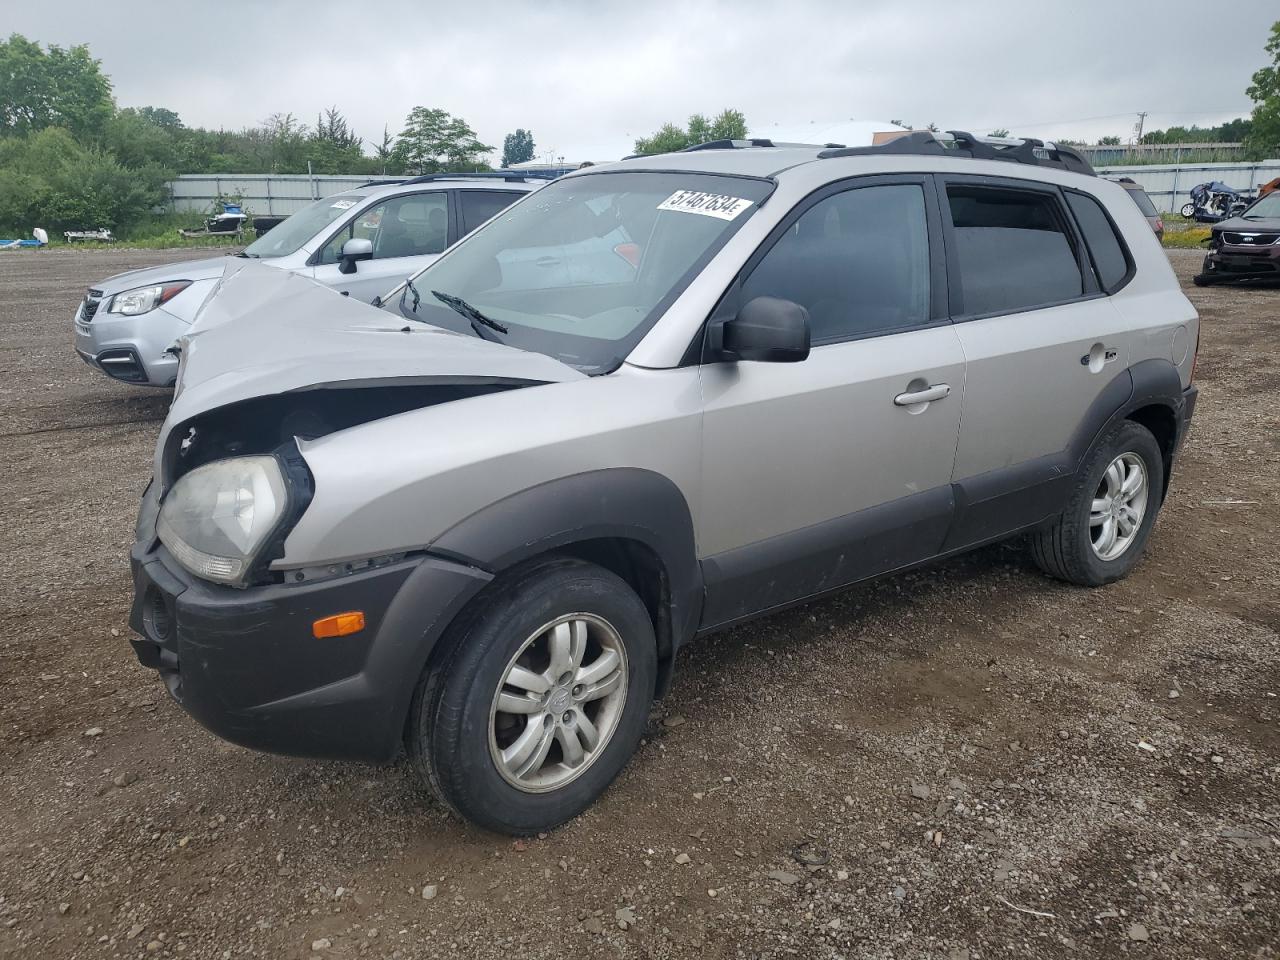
(1142, 119)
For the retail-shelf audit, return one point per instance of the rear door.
(1042, 344)
(407, 231)
(819, 473)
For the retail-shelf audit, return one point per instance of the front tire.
(1100, 536)
(540, 698)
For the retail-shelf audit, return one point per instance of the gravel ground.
(969, 761)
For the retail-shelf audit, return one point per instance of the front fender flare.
(619, 503)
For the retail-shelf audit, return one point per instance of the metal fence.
(1169, 186)
(263, 194)
(1174, 153)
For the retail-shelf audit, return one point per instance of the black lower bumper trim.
(245, 664)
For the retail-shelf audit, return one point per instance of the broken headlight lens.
(145, 299)
(217, 518)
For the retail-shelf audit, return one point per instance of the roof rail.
(923, 143)
(379, 183)
(509, 176)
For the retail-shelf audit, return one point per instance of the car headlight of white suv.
(131, 303)
(217, 518)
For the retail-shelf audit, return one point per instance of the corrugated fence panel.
(1169, 186)
(263, 194)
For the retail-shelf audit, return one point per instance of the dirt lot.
(971, 761)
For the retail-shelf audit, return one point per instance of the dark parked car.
(1139, 196)
(1246, 247)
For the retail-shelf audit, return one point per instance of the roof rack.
(379, 183)
(1025, 150)
(509, 176)
(752, 142)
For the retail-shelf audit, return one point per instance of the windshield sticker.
(707, 204)
(343, 204)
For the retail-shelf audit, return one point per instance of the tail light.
(1195, 357)
(1159, 225)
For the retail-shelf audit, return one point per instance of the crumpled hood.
(266, 331)
(208, 269)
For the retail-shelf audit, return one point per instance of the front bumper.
(244, 663)
(130, 349)
(1242, 262)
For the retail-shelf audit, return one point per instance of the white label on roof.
(343, 204)
(707, 204)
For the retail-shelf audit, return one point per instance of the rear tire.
(1100, 536)
(1200, 280)
(540, 698)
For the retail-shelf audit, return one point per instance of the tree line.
(70, 157)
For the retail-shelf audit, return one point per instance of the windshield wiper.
(478, 320)
(249, 256)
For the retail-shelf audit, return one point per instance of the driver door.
(822, 472)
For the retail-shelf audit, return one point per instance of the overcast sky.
(589, 76)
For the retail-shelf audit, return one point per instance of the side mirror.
(355, 249)
(767, 329)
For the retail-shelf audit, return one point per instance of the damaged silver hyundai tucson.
(646, 402)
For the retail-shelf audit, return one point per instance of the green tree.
(517, 147)
(54, 88)
(49, 179)
(1109, 142)
(1264, 133)
(728, 125)
(999, 132)
(434, 140)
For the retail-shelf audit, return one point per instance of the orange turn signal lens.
(338, 625)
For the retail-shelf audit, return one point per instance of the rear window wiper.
(478, 320)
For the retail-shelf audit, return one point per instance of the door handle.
(933, 392)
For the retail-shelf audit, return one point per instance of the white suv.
(362, 243)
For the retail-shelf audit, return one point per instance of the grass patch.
(1192, 238)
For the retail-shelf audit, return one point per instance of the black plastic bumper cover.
(244, 663)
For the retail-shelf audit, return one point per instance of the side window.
(1110, 260)
(413, 225)
(479, 205)
(858, 261)
(1014, 248)
(400, 227)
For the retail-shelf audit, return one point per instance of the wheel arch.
(633, 522)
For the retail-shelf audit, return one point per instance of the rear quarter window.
(1111, 261)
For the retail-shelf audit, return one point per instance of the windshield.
(1266, 208)
(583, 267)
(288, 236)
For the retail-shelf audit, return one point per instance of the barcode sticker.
(706, 204)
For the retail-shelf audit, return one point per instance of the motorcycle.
(1214, 201)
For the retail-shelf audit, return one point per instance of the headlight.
(217, 518)
(145, 299)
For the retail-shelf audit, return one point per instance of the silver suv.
(361, 242)
(646, 402)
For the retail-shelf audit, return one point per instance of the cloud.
(589, 76)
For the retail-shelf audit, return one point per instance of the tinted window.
(1143, 201)
(858, 261)
(405, 226)
(1105, 247)
(479, 205)
(1014, 249)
